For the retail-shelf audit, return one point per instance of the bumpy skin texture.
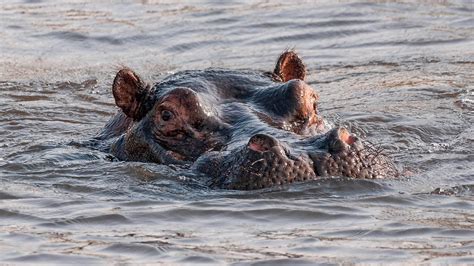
(264, 162)
(244, 129)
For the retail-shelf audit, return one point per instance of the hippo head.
(245, 129)
(169, 126)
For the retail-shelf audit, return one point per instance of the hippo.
(243, 129)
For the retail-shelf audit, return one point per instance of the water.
(398, 73)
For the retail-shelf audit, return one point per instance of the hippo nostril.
(262, 143)
(341, 139)
(345, 136)
(338, 140)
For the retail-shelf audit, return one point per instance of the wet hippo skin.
(245, 129)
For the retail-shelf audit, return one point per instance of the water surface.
(398, 73)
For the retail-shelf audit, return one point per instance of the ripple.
(79, 37)
(6, 196)
(51, 258)
(8, 217)
(101, 220)
(309, 36)
(132, 249)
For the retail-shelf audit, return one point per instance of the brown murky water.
(399, 73)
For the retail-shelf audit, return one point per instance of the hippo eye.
(166, 115)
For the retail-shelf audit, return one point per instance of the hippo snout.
(262, 162)
(346, 155)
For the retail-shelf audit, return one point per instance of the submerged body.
(227, 123)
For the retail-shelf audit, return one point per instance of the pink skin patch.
(255, 146)
(347, 137)
(259, 144)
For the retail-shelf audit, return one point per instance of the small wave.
(99, 220)
(80, 37)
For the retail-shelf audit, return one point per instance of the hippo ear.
(130, 94)
(290, 66)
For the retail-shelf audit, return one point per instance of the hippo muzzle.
(343, 154)
(265, 162)
(262, 162)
